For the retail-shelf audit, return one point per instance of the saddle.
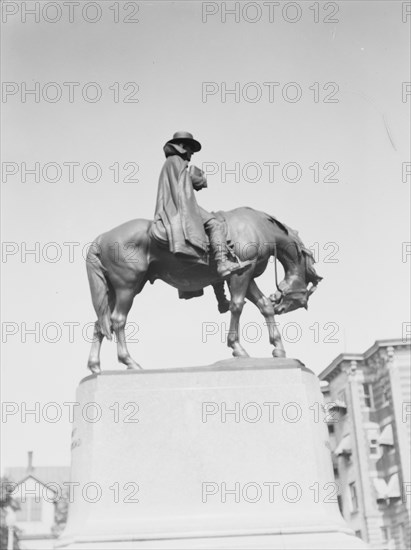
(159, 235)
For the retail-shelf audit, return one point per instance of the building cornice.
(336, 366)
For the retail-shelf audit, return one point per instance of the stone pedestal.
(232, 455)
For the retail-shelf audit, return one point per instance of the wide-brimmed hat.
(186, 137)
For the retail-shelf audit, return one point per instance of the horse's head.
(288, 299)
(301, 279)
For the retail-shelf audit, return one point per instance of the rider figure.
(177, 212)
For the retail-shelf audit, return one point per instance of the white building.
(37, 491)
(368, 409)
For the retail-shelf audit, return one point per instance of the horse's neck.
(292, 260)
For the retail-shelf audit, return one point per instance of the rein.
(275, 268)
(282, 292)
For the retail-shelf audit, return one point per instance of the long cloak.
(178, 218)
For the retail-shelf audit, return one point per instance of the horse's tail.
(99, 288)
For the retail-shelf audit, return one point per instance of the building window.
(368, 396)
(354, 497)
(22, 513)
(385, 534)
(401, 534)
(373, 436)
(35, 510)
(341, 398)
(340, 503)
(385, 397)
(374, 449)
(30, 510)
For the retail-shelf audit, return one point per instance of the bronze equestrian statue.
(189, 249)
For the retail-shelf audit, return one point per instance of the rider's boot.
(225, 267)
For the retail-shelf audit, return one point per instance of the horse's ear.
(312, 289)
(314, 285)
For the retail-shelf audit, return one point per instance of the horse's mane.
(302, 250)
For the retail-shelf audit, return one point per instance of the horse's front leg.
(265, 306)
(124, 301)
(238, 287)
(94, 358)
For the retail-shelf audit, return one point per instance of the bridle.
(306, 292)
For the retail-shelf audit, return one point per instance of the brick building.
(368, 411)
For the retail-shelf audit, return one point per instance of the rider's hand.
(198, 178)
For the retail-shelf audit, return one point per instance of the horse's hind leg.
(94, 358)
(265, 306)
(124, 301)
(223, 303)
(238, 287)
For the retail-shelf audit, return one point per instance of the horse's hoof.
(223, 306)
(94, 368)
(278, 353)
(240, 352)
(134, 366)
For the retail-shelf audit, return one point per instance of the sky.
(338, 105)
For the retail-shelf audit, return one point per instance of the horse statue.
(121, 261)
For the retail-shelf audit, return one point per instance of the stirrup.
(235, 267)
